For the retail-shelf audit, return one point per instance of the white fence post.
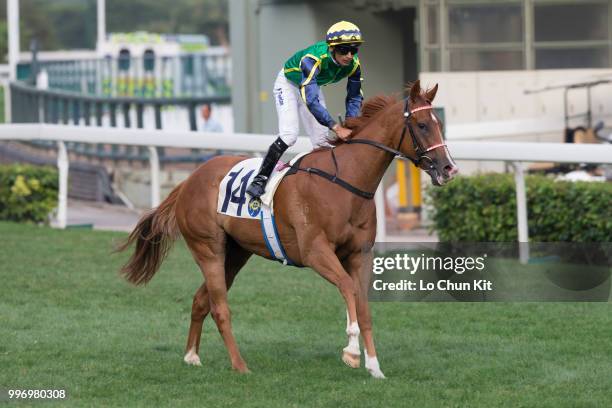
(8, 112)
(154, 163)
(381, 227)
(62, 199)
(521, 212)
(12, 14)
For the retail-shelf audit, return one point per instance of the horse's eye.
(422, 126)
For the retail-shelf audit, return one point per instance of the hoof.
(351, 360)
(241, 368)
(377, 374)
(192, 358)
(373, 367)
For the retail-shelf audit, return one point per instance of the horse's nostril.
(451, 170)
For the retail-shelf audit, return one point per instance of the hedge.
(27, 193)
(482, 208)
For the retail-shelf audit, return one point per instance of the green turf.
(69, 321)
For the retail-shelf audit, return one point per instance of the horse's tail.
(154, 235)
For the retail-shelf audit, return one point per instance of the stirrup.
(258, 187)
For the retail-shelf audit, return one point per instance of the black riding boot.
(276, 150)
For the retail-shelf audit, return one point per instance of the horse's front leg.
(358, 266)
(323, 260)
(351, 354)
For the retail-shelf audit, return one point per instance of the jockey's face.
(344, 53)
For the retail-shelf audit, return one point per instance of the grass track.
(68, 321)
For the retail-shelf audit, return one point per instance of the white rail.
(504, 128)
(511, 152)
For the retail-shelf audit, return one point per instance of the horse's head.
(420, 136)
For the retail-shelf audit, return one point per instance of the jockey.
(297, 93)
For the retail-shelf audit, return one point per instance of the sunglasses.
(345, 49)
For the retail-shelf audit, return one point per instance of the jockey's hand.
(342, 132)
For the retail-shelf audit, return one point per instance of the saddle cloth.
(233, 199)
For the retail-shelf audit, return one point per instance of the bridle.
(421, 152)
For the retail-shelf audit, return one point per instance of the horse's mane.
(370, 108)
(374, 106)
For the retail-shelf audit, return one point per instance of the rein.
(419, 150)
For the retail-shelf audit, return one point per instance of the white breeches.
(291, 108)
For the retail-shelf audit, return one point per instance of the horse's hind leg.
(199, 310)
(235, 259)
(210, 256)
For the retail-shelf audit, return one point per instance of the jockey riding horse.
(297, 94)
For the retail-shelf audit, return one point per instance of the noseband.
(421, 152)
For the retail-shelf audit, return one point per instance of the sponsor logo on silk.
(254, 206)
(279, 94)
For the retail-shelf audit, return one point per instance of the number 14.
(230, 195)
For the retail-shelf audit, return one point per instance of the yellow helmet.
(343, 32)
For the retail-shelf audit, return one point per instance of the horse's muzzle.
(442, 174)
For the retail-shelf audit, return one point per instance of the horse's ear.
(415, 91)
(431, 94)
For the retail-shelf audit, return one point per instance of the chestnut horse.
(327, 235)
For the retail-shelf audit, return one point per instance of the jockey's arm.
(309, 90)
(354, 97)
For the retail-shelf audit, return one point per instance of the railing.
(505, 129)
(32, 105)
(515, 153)
(203, 74)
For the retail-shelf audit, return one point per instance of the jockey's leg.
(235, 259)
(258, 187)
(286, 100)
(319, 134)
